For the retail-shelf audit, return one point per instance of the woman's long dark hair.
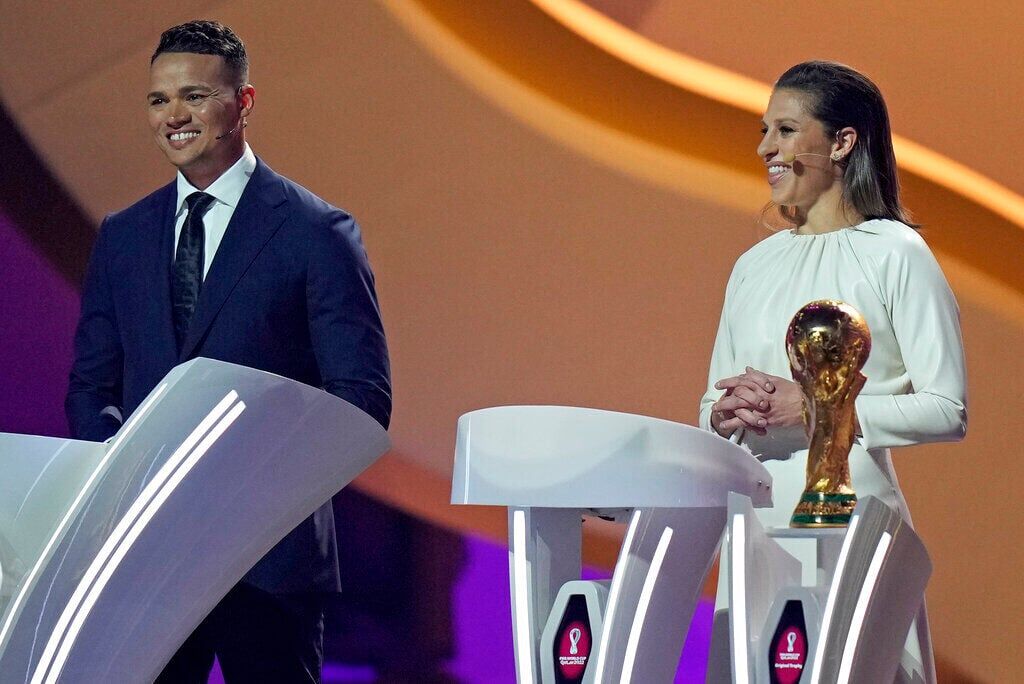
(839, 96)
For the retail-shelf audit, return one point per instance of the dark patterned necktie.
(187, 274)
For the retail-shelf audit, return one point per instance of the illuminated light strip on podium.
(830, 604)
(641, 609)
(738, 567)
(862, 606)
(142, 510)
(127, 429)
(524, 650)
(613, 595)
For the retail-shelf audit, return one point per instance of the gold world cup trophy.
(828, 343)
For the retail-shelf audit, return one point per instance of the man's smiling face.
(193, 99)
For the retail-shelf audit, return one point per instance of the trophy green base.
(818, 509)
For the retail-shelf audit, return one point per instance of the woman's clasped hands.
(758, 402)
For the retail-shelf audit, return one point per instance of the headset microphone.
(241, 123)
(790, 158)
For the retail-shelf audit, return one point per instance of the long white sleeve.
(723, 359)
(926, 322)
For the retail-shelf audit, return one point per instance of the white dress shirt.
(226, 191)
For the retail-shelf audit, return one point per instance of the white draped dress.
(916, 379)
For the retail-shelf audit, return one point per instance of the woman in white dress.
(827, 149)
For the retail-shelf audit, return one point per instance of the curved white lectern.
(834, 605)
(112, 553)
(549, 465)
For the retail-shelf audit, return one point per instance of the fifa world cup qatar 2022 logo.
(787, 650)
(574, 650)
(789, 657)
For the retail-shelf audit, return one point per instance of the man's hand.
(757, 401)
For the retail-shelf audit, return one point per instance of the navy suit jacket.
(290, 291)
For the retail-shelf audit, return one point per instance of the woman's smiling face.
(795, 150)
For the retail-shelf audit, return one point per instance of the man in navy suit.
(233, 262)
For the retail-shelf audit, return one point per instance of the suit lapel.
(157, 254)
(260, 212)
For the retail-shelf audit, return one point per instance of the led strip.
(738, 607)
(128, 529)
(524, 647)
(641, 608)
(862, 606)
(26, 585)
(613, 596)
(830, 604)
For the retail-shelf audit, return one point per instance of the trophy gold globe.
(828, 343)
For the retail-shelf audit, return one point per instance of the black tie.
(187, 274)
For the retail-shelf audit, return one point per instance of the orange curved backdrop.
(553, 223)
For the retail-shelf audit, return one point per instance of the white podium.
(111, 554)
(550, 465)
(835, 607)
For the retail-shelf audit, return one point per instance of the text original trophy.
(828, 343)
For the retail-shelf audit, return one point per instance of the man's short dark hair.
(204, 37)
